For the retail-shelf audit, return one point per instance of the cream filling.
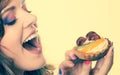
(99, 48)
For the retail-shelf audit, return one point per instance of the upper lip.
(32, 32)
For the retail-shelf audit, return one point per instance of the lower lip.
(35, 51)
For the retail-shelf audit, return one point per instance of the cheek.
(11, 39)
(7, 46)
(10, 45)
(14, 33)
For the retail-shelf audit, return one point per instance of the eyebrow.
(9, 9)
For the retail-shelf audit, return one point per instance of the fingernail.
(74, 57)
(87, 62)
(60, 72)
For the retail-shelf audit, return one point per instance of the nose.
(29, 20)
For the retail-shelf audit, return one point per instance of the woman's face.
(20, 41)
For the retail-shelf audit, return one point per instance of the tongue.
(31, 45)
(37, 44)
(28, 46)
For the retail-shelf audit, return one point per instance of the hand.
(69, 68)
(102, 66)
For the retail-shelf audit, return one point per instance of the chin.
(29, 65)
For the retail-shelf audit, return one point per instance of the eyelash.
(29, 11)
(25, 8)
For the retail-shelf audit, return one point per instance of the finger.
(100, 61)
(66, 65)
(69, 55)
(86, 67)
(103, 65)
(108, 61)
(98, 64)
(110, 53)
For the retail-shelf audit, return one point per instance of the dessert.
(92, 47)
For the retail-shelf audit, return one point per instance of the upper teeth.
(31, 37)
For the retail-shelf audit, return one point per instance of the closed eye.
(10, 19)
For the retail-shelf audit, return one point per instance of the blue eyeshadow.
(8, 20)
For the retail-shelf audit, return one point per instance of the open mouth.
(32, 44)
